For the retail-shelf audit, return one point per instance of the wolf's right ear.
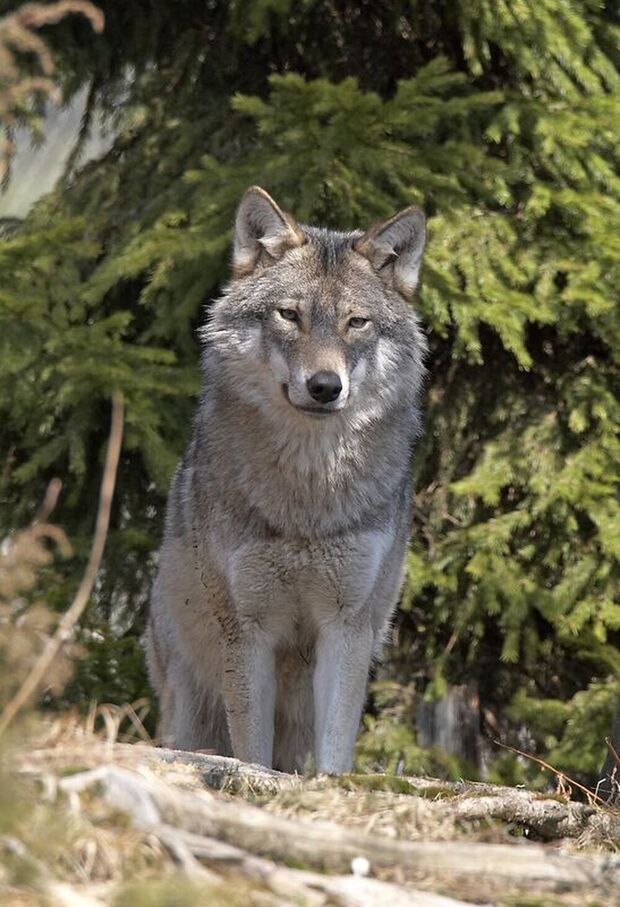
(394, 248)
(263, 232)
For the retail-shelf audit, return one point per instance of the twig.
(49, 502)
(551, 768)
(34, 15)
(114, 715)
(612, 749)
(17, 37)
(82, 596)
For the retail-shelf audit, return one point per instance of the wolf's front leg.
(344, 649)
(249, 685)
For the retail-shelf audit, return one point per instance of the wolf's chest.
(273, 581)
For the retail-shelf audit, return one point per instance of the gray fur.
(287, 529)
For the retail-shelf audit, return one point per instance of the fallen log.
(547, 816)
(217, 772)
(308, 887)
(325, 846)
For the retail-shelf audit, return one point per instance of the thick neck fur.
(306, 477)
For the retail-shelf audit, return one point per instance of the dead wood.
(550, 816)
(219, 772)
(325, 846)
(216, 772)
(311, 887)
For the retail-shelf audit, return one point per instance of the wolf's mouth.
(317, 411)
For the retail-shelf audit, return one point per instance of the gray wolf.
(288, 518)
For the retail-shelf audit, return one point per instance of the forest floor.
(88, 821)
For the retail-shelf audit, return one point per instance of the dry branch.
(565, 782)
(547, 815)
(216, 772)
(326, 846)
(17, 37)
(220, 772)
(191, 850)
(348, 890)
(69, 619)
(49, 502)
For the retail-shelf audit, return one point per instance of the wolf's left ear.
(394, 248)
(263, 232)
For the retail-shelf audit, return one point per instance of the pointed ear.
(394, 248)
(263, 232)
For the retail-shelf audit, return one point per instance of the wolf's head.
(317, 325)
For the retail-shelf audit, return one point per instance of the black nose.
(324, 387)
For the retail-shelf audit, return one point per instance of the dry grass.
(83, 843)
(395, 816)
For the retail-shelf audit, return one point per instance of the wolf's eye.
(289, 315)
(358, 322)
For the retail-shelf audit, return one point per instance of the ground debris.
(240, 834)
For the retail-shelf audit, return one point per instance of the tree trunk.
(452, 723)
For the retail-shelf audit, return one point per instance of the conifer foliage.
(500, 118)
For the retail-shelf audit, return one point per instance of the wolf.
(289, 514)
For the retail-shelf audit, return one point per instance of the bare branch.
(68, 621)
(16, 36)
(563, 778)
(49, 502)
